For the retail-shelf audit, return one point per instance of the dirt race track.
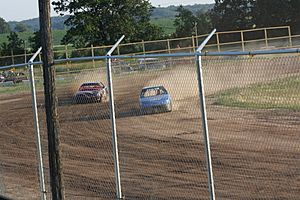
(255, 153)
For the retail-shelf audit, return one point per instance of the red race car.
(91, 92)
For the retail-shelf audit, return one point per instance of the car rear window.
(90, 86)
(153, 92)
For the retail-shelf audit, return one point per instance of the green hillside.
(158, 13)
(167, 24)
(161, 16)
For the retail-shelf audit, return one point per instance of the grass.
(25, 86)
(57, 36)
(15, 88)
(278, 94)
(167, 25)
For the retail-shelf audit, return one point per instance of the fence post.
(266, 37)
(118, 50)
(143, 46)
(66, 49)
(204, 117)
(193, 43)
(12, 56)
(168, 44)
(67, 55)
(242, 38)
(93, 55)
(25, 53)
(41, 66)
(36, 127)
(290, 36)
(113, 120)
(218, 42)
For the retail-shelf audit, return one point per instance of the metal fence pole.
(113, 120)
(204, 118)
(37, 129)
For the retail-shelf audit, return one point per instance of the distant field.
(282, 93)
(167, 24)
(57, 36)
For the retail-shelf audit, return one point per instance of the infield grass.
(278, 94)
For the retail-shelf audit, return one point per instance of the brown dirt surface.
(255, 153)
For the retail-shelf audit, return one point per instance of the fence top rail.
(191, 54)
(253, 30)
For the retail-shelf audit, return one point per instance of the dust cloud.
(181, 83)
(221, 73)
(94, 75)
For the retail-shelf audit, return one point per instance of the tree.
(187, 23)
(35, 41)
(21, 27)
(204, 24)
(15, 45)
(232, 15)
(102, 22)
(184, 22)
(4, 26)
(277, 13)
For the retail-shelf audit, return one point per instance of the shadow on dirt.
(133, 112)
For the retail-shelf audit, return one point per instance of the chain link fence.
(18, 157)
(253, 113)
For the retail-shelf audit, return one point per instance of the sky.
(18, 10)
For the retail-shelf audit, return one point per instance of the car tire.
(143, 111)
(99, 100)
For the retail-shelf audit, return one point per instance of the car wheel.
(74, 101)
(99, 100)
(80, 99)
(143, 111)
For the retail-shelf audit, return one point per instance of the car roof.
(90, 83)
(152, 87)
(145, 59)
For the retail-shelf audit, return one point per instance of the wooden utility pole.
(56, 182)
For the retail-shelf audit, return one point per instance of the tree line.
(228, 15)
(102, 22)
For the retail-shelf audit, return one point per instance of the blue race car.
(155, 98)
